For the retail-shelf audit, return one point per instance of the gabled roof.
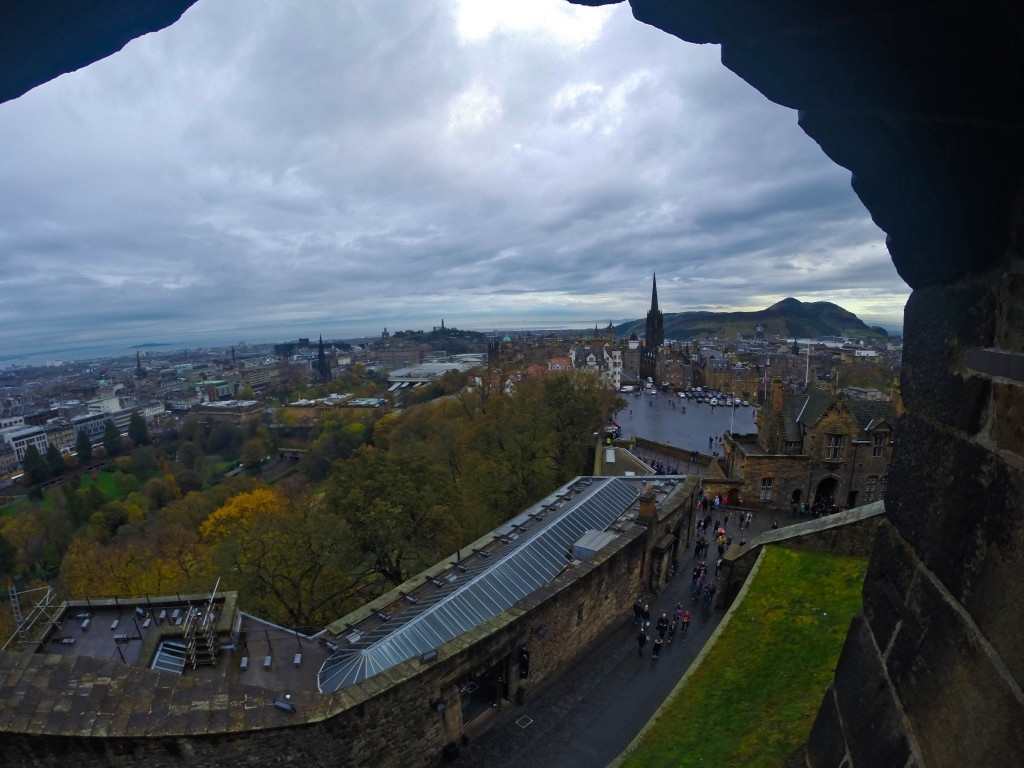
(802, 412)
(807, 409)
(871, 415)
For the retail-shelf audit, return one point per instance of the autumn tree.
(576, 405)
(253, 451)
(289, 555)
(398, 510)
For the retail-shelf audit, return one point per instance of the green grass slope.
(753, 699)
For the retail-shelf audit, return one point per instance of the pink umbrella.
(721, 530)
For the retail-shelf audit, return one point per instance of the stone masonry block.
(959, 506)
(1010, 313)
(962, 709)
(888, 578)
(1008, 417)
(867, 704)
(826, 745)
(941, 324)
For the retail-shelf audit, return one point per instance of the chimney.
(646, 505)
(776, 395)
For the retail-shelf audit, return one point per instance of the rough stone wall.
(788, 473)
(925, 104)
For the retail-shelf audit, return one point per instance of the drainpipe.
(853, 467)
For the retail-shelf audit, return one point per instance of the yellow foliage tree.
(290, 557)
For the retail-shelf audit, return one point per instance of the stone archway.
(924, 103)
(827, 490)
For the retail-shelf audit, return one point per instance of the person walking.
(672, 630)
(662, 625)
(645, 614)
(641, 641)
(686, 623)
(638, 608)
(656, 651)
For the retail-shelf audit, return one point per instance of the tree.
(125, 483)
(137, 431)
(189, 480)
(190, 455)
(254, 451)
(290, 555)
(111, 438)
(192, 430)
(161, 491)
(55, 460)
(83, 446)
(398, 509)
(141, 462)
(225, 439)
(35, 467)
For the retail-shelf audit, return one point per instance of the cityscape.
(513, 384)
(101, 458)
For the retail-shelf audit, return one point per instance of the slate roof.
(871, 414)
(809, 408)
(805, 408)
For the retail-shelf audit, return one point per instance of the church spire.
(654, 294)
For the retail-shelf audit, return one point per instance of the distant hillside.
(789, 317)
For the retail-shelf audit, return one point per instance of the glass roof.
(523, 557)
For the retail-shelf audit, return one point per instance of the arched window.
(766, 488)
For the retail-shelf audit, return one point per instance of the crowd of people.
(665, 628)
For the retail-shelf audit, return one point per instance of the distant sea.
(95, 352)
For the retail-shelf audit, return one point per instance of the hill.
(789, 317)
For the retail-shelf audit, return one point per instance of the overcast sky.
(268, 169)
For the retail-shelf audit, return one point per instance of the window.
(834, 445)
(881, 486)
(794, 447)
(876, 449)
(766, 489)
(870, 487)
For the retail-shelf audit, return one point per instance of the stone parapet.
(846, 533)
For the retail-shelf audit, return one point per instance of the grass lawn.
(105, 482)
(755, 696)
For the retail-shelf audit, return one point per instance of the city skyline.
(274, 173)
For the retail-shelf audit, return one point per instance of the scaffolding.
(31, 629)
(200, 630)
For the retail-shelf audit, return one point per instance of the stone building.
(602, 360)
(813, 447)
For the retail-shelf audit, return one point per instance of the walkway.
(591, 713)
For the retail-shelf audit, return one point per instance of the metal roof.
(481, 586)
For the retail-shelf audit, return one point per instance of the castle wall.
(387, 720)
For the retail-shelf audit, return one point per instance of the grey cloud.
(339, 166)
